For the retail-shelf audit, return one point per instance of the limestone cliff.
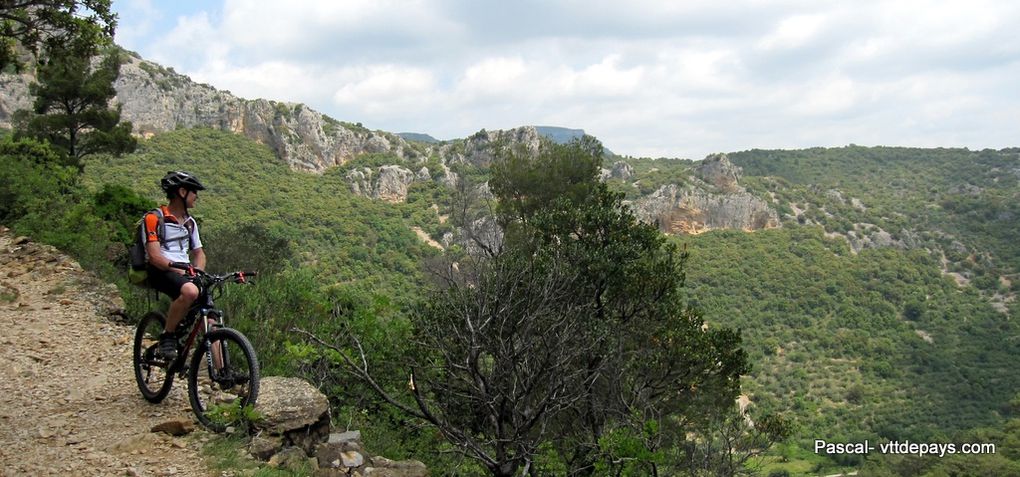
(157, 99)
(478, 149)
(711, 199)
(690, 209)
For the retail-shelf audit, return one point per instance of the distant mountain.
(157, 100)
(560, 135)
(419, 137)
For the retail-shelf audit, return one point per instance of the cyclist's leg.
(186, 296)
(183, 293)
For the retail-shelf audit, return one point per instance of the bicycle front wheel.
(223, 379)
(151, 372)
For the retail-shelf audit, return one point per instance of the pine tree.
(34, 25)
(72, 107)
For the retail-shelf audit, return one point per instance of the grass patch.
(228, 455)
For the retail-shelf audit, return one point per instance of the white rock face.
(691, 210)
(157, 99)
(393, 183)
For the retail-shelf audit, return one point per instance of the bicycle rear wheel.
(218, 395)
(152, 373)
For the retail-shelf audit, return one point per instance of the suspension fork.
(213, 320)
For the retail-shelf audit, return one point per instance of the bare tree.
(505, 350)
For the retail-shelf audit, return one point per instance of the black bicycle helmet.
(174, 180)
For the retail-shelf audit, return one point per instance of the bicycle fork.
(214, 357)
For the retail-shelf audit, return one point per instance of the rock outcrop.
(621, 170)
(478, 149)
(712, 199)
(157, 99)
(295, 434)
(717, 170)
(691, 210)
(389, 183)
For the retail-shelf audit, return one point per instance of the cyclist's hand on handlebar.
(244, 277)
(189, 270)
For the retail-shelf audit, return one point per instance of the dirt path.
(68, 400)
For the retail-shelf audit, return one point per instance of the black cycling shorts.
(168, 282)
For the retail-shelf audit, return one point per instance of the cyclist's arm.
(198, 258)
(152, 248)
(156, 258)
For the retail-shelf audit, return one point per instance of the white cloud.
(193, 45)
(386, 90)
(605, 78)
(827, 96)
(648, 77)
(495, 77)
(137, 19)
(270, 80)
(793, 32)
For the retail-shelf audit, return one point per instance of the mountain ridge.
(157, 99)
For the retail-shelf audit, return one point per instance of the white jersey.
(179, 239)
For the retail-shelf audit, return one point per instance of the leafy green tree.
(31, 179)
(79, 26)
(575, 325)
(526, 184)
(732, 443)
(72, 107)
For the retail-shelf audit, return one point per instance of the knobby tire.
(152, 375)
(205, 392)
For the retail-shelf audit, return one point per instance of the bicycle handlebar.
(236, 277)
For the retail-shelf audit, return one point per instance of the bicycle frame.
(201, 313)
(201, 317)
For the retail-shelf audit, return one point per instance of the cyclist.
(180, 243)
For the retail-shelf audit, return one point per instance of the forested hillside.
(909, 338)
(523, 302)
(958, 202)
(885, 305)
(342, 237)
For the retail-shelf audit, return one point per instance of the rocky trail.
(69, 404)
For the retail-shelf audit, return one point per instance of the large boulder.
(289, 403)
(383, 467)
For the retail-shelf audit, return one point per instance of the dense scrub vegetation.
(963, 203)
(879, 344)
(342, 238)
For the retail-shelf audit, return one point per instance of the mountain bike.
(223, 372)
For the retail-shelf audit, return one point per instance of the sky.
(682, 78)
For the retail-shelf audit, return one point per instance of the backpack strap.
(161, 226)
(189, 225)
